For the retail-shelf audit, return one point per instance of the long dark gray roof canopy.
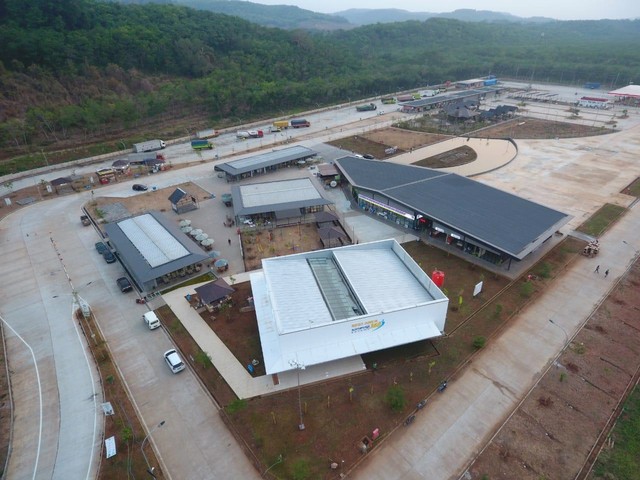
(499, 219)
(265, 160)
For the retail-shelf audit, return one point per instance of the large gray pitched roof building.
(468, 213)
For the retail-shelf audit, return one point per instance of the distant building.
(264, 163)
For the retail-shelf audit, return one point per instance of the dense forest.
(76, 71)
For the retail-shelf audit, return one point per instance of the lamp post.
(150, 469)
(278, 460)
(298, 366)
(566, 336)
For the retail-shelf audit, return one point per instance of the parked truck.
(209, 133)
(299, 123)
(244, 134)
(281, 124)
(366, 108)
(201, 144)
(388, 100)
(428, 93)
(149, 146)
(405, 98)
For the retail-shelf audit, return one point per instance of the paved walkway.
(491, 154)
(235, 374)
(576, 176)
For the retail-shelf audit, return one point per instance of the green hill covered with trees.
(81, 71)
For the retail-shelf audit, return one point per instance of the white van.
(151, 319)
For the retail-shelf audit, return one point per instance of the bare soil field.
(144, 201)
(529, 128)
(375, 143)
(552, 433)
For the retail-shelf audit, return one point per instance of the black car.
(109, 257)
(101, 248)
(368, 156)
(138, 187)
(124, 284)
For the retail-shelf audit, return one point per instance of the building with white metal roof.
(150, 247)
(320, 306)
(297, 197)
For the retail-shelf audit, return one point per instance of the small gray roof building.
(510, 224)
(284, 195)
(151, 246)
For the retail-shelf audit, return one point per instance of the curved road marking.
(35, 364)
(93, 385)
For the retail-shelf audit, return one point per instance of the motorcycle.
(409, 420)
(141, 301)
(442, 386)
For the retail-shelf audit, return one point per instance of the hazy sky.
(559, 9)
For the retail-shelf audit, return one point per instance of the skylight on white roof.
(152, 240)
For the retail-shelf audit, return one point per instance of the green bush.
(395, 398)
(237, 405)
(300, 469)
(204, 359)
(544, 270)
(479, 342)
(526, 290)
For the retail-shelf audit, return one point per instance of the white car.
(173, 360)
(151, 320)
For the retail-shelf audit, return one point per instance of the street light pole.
(566, 336)
(150, 469)
(299, 367)
(278, 460)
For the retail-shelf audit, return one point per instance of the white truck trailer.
(149, 146)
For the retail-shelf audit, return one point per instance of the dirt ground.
(528, 127)
(553, 431)
(282, 241)
(375, 143)
(144, 201)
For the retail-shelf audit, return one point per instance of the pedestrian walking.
(606, 272)
(597, 270)
(229, 240)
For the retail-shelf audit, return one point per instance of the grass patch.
(622, 460)
(205, 277)
(633, 189)
(601, 220)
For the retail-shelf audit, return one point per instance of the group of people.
(597, 270)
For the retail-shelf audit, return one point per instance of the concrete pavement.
(55, 386)
(573, 175)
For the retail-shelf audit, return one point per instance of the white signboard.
(110, 445)
(477, 289)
